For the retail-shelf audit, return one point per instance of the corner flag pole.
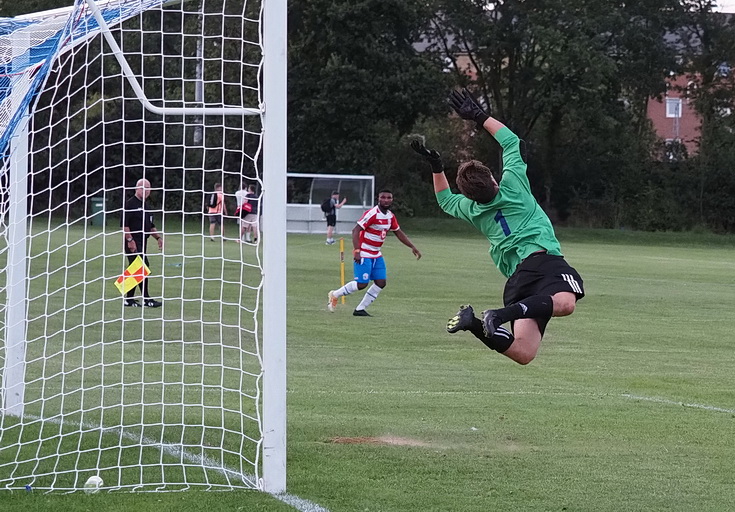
(342, 264)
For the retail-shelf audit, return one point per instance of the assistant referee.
(138, 226)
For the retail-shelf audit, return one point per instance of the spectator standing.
(241, 199)
(331, 216)
(217, 209)
(252, 217)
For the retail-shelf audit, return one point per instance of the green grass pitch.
(630, 404)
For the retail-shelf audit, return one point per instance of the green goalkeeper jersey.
(513, 222)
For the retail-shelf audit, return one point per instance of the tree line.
(573, 78)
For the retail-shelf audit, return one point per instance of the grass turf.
(629, 406)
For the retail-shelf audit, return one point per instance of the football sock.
(536, 306)
(347, 289)
(370, 295)
(500, 341)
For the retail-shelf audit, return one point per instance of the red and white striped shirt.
(375, 225)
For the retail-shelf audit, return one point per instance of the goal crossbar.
(140, 94)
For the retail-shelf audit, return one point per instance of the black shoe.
(360, 312)
(131, 303)
(462, 321)
(490, 322)
(150, 303)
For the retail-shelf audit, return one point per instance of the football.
(93, 484)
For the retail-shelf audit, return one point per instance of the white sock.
(370, 295)
(347, 289)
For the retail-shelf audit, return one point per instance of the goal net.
(181, 384)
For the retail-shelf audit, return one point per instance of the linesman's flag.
(134, 274)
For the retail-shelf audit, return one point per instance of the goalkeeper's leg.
(521, 345)
(527, 342)
(465, 320)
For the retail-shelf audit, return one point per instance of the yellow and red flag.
(134, 274)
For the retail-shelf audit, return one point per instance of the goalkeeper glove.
(467, 108)
(431, 155)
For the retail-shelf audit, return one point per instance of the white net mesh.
(145, 397)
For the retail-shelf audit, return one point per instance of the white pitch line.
(299, 504)
(682, 404)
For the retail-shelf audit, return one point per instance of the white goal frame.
(274, 119)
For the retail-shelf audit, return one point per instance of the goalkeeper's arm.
(467, 107)
(492, 125)
(440, 182)
(437, 168)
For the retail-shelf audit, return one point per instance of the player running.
(367, 239)
(541, 284)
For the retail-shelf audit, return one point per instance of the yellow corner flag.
(134, 274)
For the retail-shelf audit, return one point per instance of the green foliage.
(353, 70)
(94, 137)
(569, 77)
(572, 77)
(9, 9)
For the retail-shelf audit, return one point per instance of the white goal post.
(181, 382)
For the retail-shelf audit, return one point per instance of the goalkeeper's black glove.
(431, 155)
(466, 107)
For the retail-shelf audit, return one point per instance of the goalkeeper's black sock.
(500, 341)
(536, 306)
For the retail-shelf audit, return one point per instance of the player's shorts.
(251, 218)
(542, 274)
(332, 220)
(215, 218)
(370, 269)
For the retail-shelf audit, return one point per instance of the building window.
(673, 107)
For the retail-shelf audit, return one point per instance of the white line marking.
(519, 393)
(682, 404)
(299, 504)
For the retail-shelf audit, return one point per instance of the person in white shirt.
(241, 199)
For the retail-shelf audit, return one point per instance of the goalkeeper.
(541, 284)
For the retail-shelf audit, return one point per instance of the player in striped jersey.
(541, 284)
(368, 236)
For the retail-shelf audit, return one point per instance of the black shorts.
(331, 220)
(141, 245)
(542, 274)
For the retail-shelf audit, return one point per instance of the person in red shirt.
(367, 239)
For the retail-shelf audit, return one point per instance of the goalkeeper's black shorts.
(542, 274)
